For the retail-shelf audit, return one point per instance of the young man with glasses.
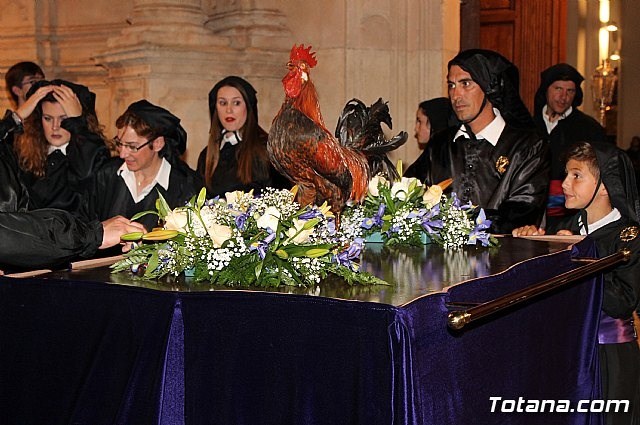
(19, 79)
(150, 141)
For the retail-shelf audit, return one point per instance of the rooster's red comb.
(302, 54)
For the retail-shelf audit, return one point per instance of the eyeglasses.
(129, 146)
(31, 81)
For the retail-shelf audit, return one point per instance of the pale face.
(146, 156)
(467, 97)
(560, 95)
(422, 131)
(231, 108)
(579, 185)
(52, 116)
(22, 89)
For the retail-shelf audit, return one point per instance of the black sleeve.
(8, 126)
(46, 238)
(622, 284)
(86, 151)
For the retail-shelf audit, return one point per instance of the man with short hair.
(494, 156)
(19, 79)
(558, 119)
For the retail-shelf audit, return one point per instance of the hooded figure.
(439, 112)
(235, 157)
(61, 146)
(496, 160)
(163, 123)
(558, 72)
(150, 142)
(618, 176)
(557, 118)
(614, 227)
(86, 97)
(500, 82)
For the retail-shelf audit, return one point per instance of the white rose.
(303, 236)
(432, 196)
(375, 182)
(219, 234)
(270, 218)
(176, 220)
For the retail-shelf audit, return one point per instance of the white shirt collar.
(609, 218)
(231, 137)
(552, 124)
(491, 133)
(62, 149)
(162, 178)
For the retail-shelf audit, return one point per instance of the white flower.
(219, 234)
(375, 182)
(432, 196)
(177, 220)
(303, 235)
(400, 190)
(270, 218)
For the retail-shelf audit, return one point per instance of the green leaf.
(153, 263)
(142, 214)
(162, 206)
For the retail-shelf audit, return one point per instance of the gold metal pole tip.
(457, 319)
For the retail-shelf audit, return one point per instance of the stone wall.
(173, 51)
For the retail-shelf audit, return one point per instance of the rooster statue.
(336, 169)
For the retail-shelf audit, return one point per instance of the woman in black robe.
(61, 146)
(236, 155)
(150, 141)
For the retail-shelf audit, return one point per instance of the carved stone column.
(172, 53)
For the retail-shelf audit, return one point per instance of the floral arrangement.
(405, 211)
(247, 241)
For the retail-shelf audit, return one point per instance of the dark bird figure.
(336, 169)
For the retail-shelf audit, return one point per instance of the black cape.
(509, 180)
(225, 177)
(67, 176)
(109, 195)
(42, 238)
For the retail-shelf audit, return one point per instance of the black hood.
(499, 80)
(558, 72)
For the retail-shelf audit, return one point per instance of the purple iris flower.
(367, 223)
(263, 245)
(309, 214)
(378, 217)
(331, 226)
(476, 236)
(481, 221)
(346, 257)
(241, 221)
(430, 221)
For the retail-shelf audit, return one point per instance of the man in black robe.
(496, 159)
(150, 141)
(557, 118)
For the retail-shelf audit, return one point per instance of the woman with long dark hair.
(236, 155)
(61, 146)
